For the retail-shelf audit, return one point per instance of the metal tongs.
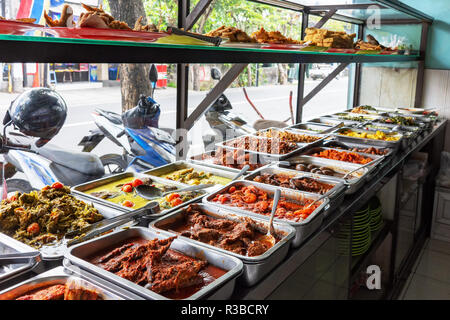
(20, 257)
(214, 40)
(105, 225)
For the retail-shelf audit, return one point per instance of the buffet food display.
(228, 224)
(43, 217)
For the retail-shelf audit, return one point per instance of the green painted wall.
(438, 50)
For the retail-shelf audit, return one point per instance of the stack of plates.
(361, 234)
(376, 216)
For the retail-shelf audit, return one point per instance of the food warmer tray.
(313, 127)
(57, 251)
(9, 245)
(421, 122)
(328, 121)
(197, 160)
(179, 165)
(255, 268)
(61, 275)
(410, 133)
(336, 194)
(369, 117)
(274, 156)
(373, 169)
(81, 188)
(373, 142)
(221, 288)
(302, 229)
(335, 144)
(338, 166)
(321, 136)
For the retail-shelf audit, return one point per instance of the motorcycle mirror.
(153, 74)
(216, 74)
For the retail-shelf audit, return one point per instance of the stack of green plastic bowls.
(361, 234)
(376, 216)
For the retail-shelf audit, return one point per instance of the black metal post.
(182, 89)
(301, 74)
(357, 80)
(421, 66)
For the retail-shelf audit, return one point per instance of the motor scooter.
(226, 124)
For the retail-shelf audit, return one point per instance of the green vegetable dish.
(42, 217)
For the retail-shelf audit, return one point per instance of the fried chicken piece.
(2, 18)
(232, 33)
(98, 18)
(66, 19)
(274, 37)
(138, 26)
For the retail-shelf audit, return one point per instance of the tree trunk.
(133, 77)
(200, 29)
(282, 73)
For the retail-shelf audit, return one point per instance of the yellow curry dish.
(195, 177)
(43, 217)
(378, 135)
(123, 192)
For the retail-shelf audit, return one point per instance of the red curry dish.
(286, 181)
(68, 291)
(240, 237)
(253, 199)
(151, 264)
(261, 144)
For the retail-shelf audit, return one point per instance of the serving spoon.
(270, 236)
(242, 172)
(151, 192)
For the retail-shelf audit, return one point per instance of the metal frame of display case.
(29, 49)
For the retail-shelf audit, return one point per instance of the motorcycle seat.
(86, 163)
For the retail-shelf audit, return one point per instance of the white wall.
(390, 87)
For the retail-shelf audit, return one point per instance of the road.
(271, 101)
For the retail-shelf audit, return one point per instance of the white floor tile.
(423, 288)
(434, 265)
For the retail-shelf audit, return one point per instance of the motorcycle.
(137, 132)
(226, 124)
(144, 145)
(41, 163)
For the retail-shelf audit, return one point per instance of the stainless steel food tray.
(327, 121)
(82, 188)
(255, 159)
(409, 133)
(369, 117)
(255, 268)
(179, 165)
(302, 229)
(419, 120)
(9, 245)
(320, 136)
(337, 166)
(57, 251)
(314, 127)
(61, 275)
(221, 288)
(336, 194)
(274, 156)
(335, 144)
(380, 143)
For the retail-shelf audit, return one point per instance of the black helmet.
(39, 112)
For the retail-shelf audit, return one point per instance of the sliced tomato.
(137, 182)
(128, 203)
(57, 185)
(176, 202)
(127, 188)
